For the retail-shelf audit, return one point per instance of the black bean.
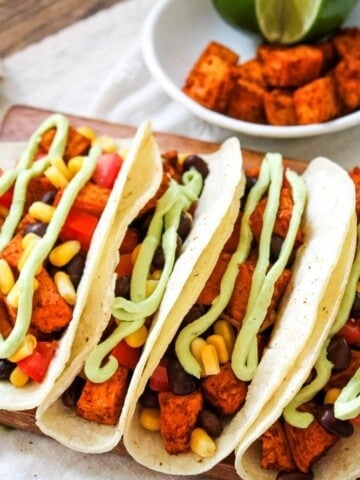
(75, 268)
(339, 353)
(158, 260)
(196, 311)
(180, 382)
(149, 399)
(340, 428)
(275, 249)
(194, 161)
(355, 309)
(38, 228)
(49, 197)
(122, 286)
(185, 225)
(210, 422)
(250, 182)
(6, 368)
(72, 394)
(295, 476)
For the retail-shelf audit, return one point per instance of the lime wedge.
(238, 13)
(292, 21)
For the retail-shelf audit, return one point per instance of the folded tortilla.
(130, 191)
(307, 310)
(340, 461)
(212, 224)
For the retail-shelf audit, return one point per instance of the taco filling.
(152, 243)
(50, 205)
(327, 408)
(202, 380)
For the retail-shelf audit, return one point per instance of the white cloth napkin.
(95, 69)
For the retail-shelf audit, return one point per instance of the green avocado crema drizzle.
(245, 356)
(42, 248)
(27, 168)
(131, 314)
(347, 404)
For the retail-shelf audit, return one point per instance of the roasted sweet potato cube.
(212, 78)
(211, 288)
(77, 144)
(36, 190)
(275, 450)
(247, 102)
(308, 444)
(232, 242)
(178, 416)
(317, 101)
(50, 311)
(236, 308)
(279, 107)
(91, 199)
(224, 391)
(251, 71)
(5, 322)
(347, 81)
(340, 379)
(102, 402)
(13, 250)
(347, 42)
(291, 66)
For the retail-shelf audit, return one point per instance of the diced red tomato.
(125, 266)
(130, 241)
(107, 169)
(126, 355)
(6, 198)
(37, 364)
(159, 382)
(79, 226)
(351, 331)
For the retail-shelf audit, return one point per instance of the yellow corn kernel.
(156, 274)
(7, 280)
(225, 329)
(150, 419)
(210, 360)
(29, 239)
(65, 287)
(221, 348)
(75, 164)
(63, 253)
(42, 211)
(135, 253)
(151, 286)
(182, 157)
(201, 443)
(26, 348)
(56, 177)
(138, 338)
(26, 254)
(4, 212)
(18, 378)
(331, 395)
(60, 165)
(195, 347)
(87, 132)
(108, 145)
(12, 297)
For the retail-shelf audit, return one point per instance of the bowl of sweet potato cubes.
(234, 79)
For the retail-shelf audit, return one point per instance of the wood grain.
(26, 22)
(18, 123)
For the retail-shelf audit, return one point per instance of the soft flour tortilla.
(341, 461)
(137, 182)
(213, 223)
(322, 264)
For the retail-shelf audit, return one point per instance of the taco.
(169, 248)
(58, 206)
(311, 426)
(264, 298)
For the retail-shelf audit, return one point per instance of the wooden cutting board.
(19, 123)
